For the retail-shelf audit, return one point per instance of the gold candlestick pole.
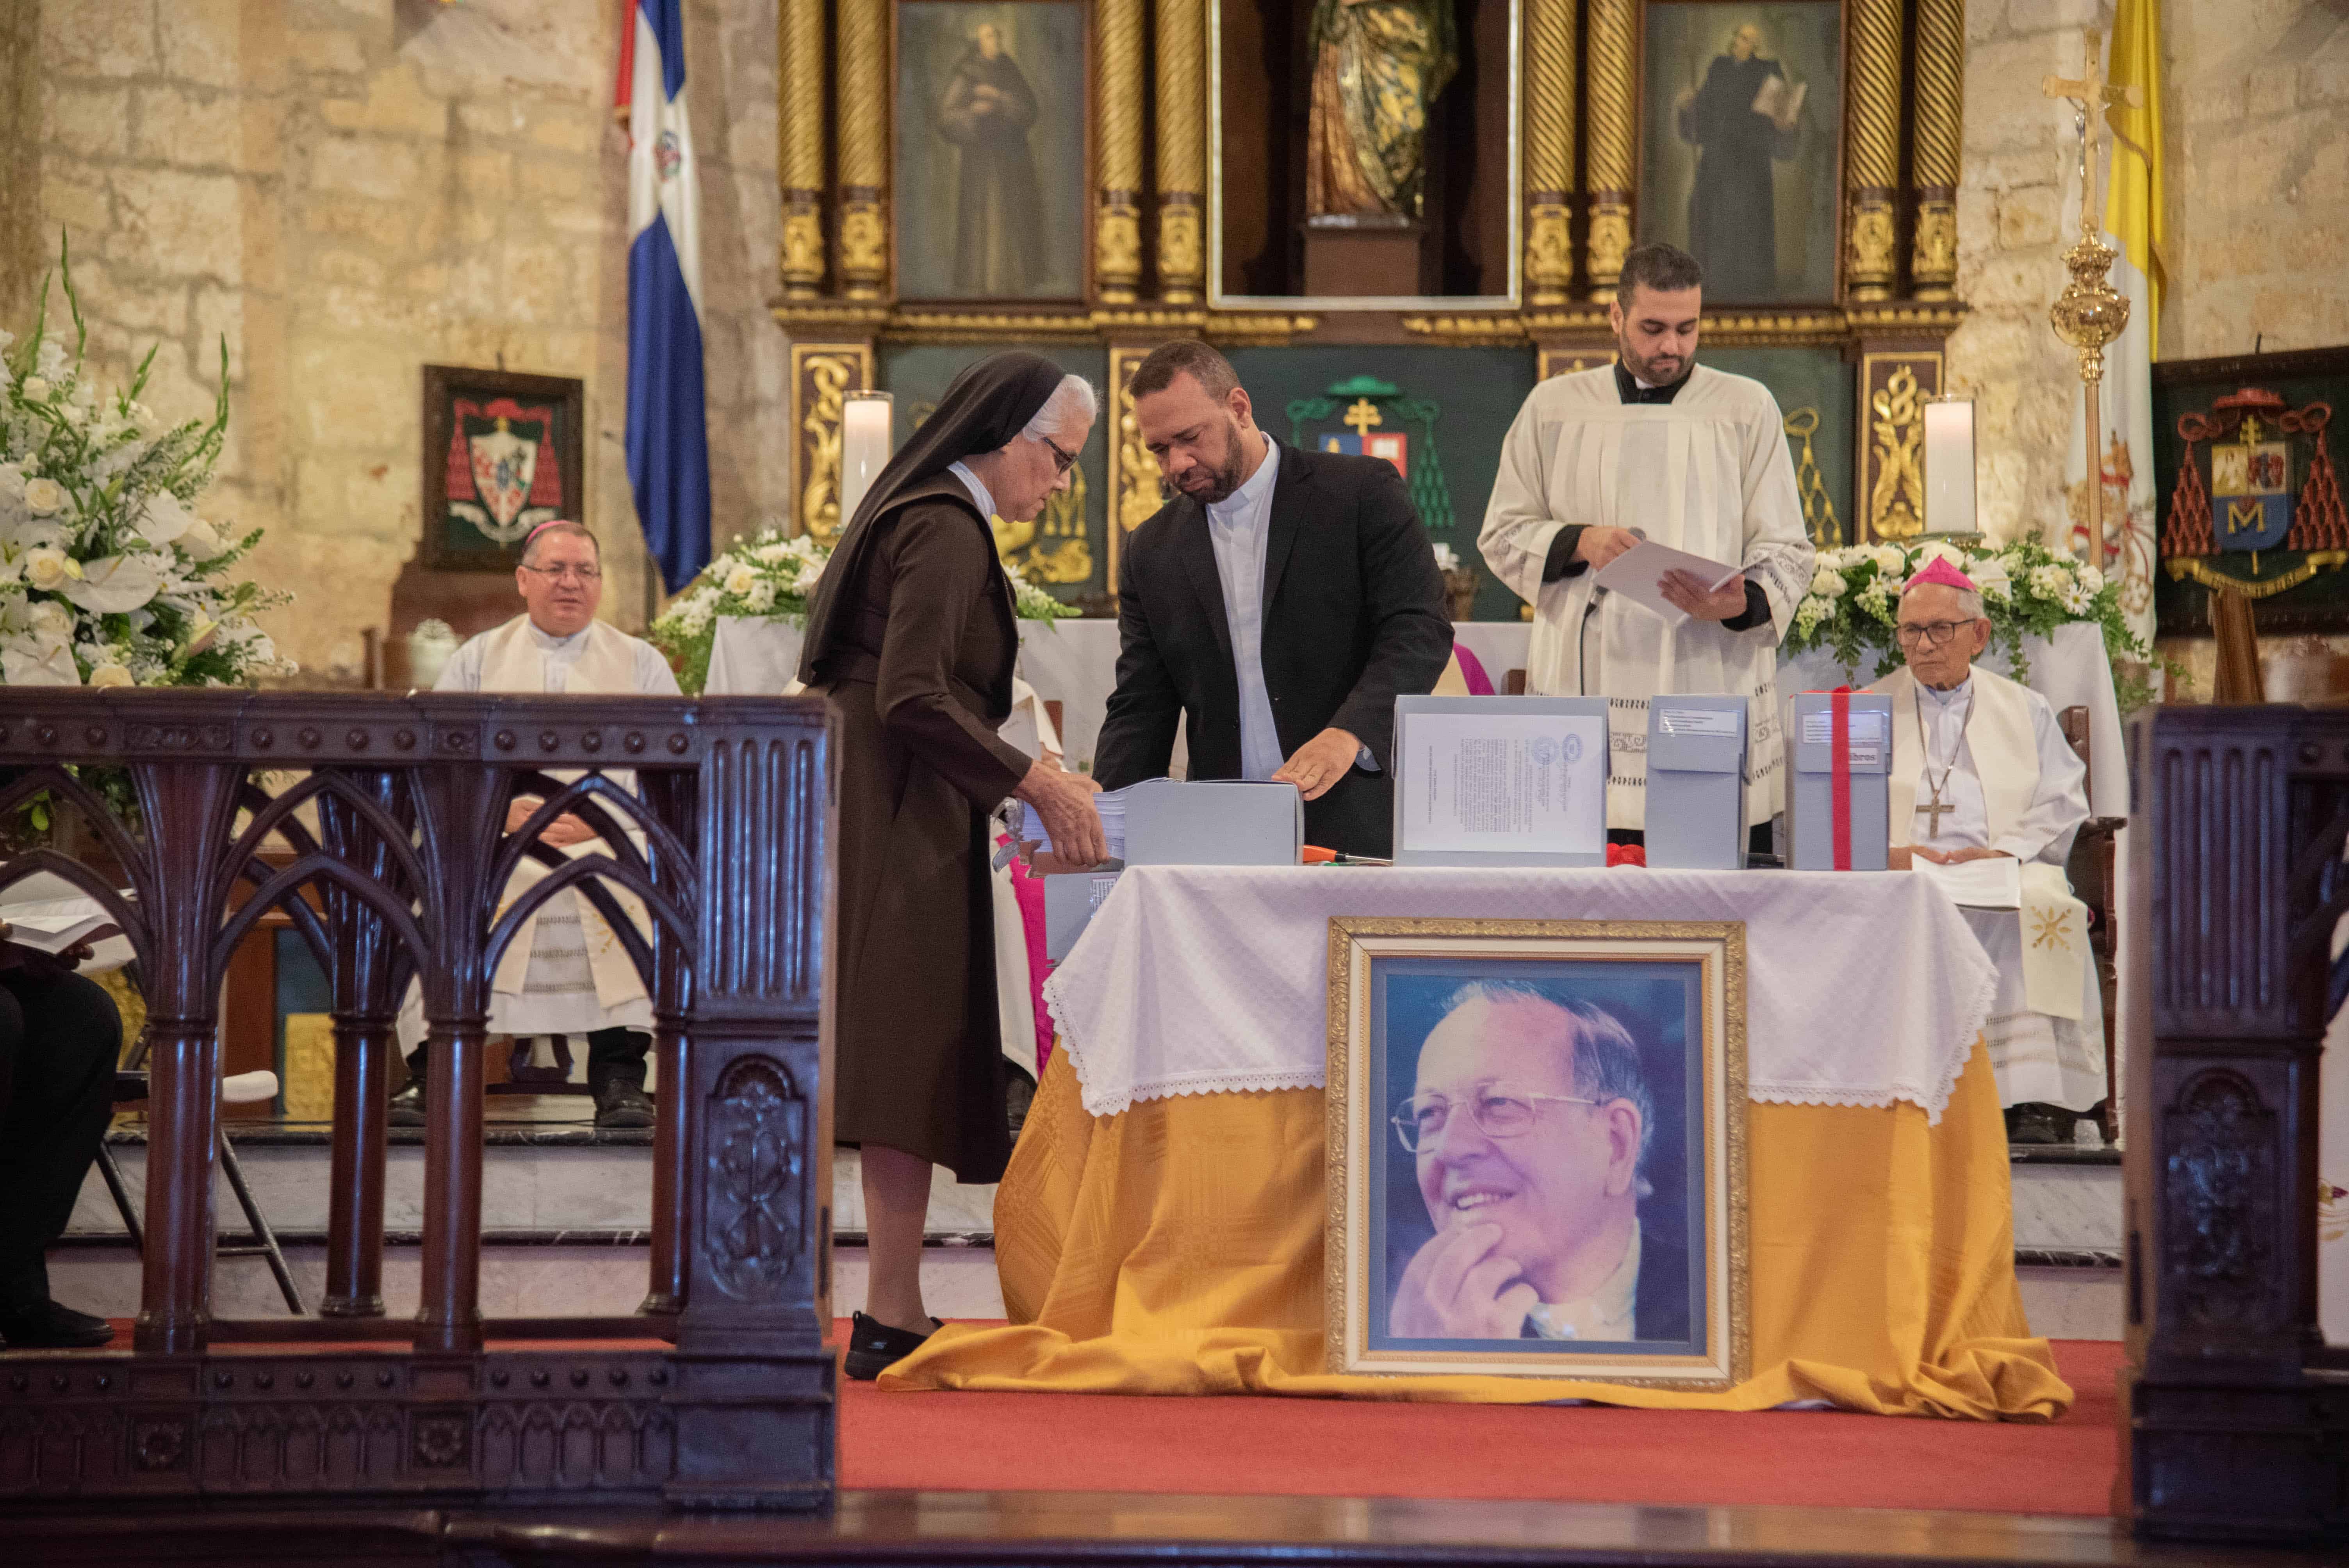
(2090, 313)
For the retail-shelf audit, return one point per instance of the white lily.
(114, 584)
(29, 661)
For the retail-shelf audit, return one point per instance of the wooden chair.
(2090, 870)
(1514, 682)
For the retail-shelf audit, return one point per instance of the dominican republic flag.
(668, 438)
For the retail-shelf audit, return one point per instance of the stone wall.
(349, 190)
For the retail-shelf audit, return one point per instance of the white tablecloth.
(1862, 988)
(1075, 663)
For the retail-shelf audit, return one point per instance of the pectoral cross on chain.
(1933, 811)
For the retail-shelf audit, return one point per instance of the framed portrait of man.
(502, 453)
(1741, 111)
(1537, 1150)
(991, 150)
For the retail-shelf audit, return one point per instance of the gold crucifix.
(1363, 415)
(2090, 313)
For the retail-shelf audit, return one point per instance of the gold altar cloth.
(1176, 1248)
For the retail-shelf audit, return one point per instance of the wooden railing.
(718, 822)
(2237, 1412)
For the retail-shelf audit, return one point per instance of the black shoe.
(408, 1105)
(619, 1092)
(2033, 1124)
(875, 1348)
(44, 1324)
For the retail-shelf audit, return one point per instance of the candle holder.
(866, 430)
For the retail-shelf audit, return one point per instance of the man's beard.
(1228, 474)
(1646, 370)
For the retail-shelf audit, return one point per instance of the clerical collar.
(549, 643)
(1241, 502)
(1629, 391)
(1944, 698)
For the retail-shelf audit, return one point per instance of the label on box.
(1867, 732)
(1721, 722)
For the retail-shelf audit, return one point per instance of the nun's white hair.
(1072, 402)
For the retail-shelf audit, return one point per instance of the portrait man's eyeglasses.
(1933, 633)
(1061, 462)
(583, 575)
(1498, 1110)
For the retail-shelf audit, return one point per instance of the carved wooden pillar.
(1117, 219)
(1549, 61)
(1939, 132)
(1181, 148)
(802, 71)
(823, 375)
(864, 111)
(189, 808)
(671, 798)
(1871, 147)
(1612, 91)
(2232, 1417)
(366, 971)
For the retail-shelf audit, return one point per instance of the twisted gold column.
(1181, 148)
(1872, 147)
(1940, 75)
(863, 102)
(1117, 220)
(1611, 91)
(1549, 150)
(802, 73)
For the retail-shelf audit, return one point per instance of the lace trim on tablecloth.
(1932, 1098)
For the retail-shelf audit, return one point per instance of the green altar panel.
(1476, 392)
(1064, 551)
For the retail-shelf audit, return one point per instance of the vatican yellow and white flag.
(2134, 226)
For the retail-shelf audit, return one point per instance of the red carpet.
(1078, 1442)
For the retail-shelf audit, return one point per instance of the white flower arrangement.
(108, 577)
(774, 577)
(2027, 589)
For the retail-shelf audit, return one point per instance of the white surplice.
(564, 974)
(2017, 786)
(1707, 473)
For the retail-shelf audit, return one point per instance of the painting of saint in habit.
(1740, 157)
(1378, 65)
(990, 148)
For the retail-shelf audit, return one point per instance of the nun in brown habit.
(913, 636)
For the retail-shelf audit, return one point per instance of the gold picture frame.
(1656, 1010)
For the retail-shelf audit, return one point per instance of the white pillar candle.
(1949, 466)
(864, 446)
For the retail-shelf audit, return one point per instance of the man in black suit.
(1279, 604)
(1530, 1119)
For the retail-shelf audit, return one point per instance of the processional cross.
(2090, 313)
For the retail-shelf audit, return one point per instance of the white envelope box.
(1696, 783)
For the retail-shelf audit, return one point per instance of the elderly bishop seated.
(1981, 769)
(564, 973)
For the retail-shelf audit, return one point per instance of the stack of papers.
(1993, 883)
(1109, 803)
(1639, 574)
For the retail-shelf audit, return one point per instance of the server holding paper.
(1278, 607)
(1691, 457)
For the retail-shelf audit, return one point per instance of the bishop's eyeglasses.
(583, 575)
(1909, 633)
(1498, 1110)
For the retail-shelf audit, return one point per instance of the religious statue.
(1377, 65)
(986, 110)
(1741, 119)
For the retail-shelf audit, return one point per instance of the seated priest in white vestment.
(565, 974)
(1981, 769)
(1654, 447)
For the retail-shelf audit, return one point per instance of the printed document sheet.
(1506, 782)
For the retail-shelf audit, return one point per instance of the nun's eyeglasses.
(1061, 462)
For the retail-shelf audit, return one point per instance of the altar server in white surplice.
(1981, 769)
(1654, 446)
(565, 973)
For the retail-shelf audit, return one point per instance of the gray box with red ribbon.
(1838, 781)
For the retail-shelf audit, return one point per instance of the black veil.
(986, 406)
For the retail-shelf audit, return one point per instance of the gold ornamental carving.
(862, 78)
(1872, 146)
(1052, 547)
(801, 134)
(1610, 92)
(1180, 262)
(823, 374)
(1182, 56)
(1134, 492)
(1937, 120)
(1896, 497)
(864, 248)
(1548, 76)
(1117, 216)
(1934, 263)
(1819, 520)
(1117, 251)
(802, 251)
